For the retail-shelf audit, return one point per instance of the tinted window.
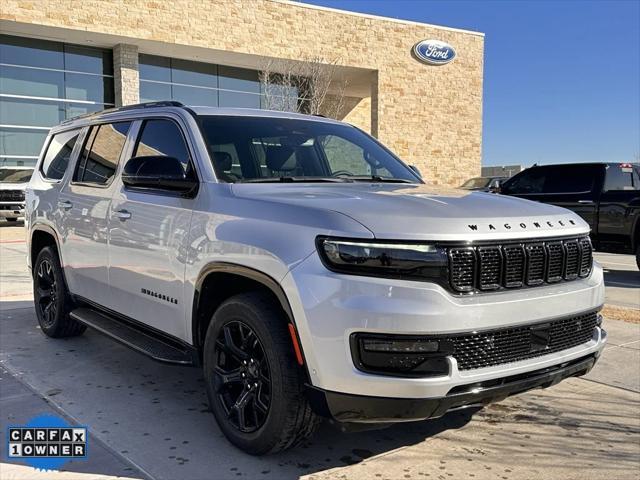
(280, 147)
(58, 154)
(554, 179)
(162, 137)
(102, 152)
(621, 177)
(13, 175)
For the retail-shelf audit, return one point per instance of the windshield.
(12, 175)
(255, 149)
(478, 182)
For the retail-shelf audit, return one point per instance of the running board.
(138, 337)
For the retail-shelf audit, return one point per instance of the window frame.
(135, 134)
(72, 159)
(89, 129)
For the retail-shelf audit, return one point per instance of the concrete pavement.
(153, 419)
(622, 279)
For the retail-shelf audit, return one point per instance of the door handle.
(587, 202)
(66, 205)
(122, 215)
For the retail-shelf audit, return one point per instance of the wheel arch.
(42, 236)
(235, 279)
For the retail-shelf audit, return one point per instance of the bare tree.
(312, 86)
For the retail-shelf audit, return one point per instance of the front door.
(148, 231)
(84, 208)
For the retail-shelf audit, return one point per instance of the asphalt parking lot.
(149, 420)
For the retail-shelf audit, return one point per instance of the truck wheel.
(638, 257)
(12, 219)
(254, 384)
(51, 297)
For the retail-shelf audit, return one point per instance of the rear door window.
(621, 177)
(56, 160)
(101, 153)
(555, 179)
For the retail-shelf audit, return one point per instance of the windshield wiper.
(296, 179)
(377, 178)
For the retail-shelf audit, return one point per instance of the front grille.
(515, 265)
(11, 195)
(497, 347)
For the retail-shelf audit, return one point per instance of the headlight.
(412, 260)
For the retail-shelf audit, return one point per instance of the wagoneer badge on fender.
(434, 52)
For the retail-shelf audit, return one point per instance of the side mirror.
(415, 170)
(158, 172)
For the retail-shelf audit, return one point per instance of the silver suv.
(308, 270)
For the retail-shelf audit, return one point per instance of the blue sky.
(561, 80)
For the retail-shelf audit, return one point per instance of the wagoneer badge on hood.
(434, 52)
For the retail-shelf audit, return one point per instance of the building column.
(125, 74)
(375, 105)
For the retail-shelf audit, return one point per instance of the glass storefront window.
(197, 83)
(41, 84)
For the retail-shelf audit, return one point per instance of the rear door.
(619, 205)
(575, 187)
(83, 205)
(148, 236)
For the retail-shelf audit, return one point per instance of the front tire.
(254, 384)
(638, 256)
(51, 298)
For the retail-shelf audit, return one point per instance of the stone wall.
(431, 116)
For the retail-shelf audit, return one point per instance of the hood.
(424, 212)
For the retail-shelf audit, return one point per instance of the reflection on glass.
(89, 87)
(58, 154)
(87, 59)
(100, 164)
(37, 113)
(195, 96)
(21, 141)
(32, 52)
(32, 83)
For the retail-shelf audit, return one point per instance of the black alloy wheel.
(255, 385)
(46, 293)
(242, 377)
(52, 300)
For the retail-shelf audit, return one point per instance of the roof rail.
(135, 106)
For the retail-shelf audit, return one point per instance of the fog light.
(399, 346)
(400, 355)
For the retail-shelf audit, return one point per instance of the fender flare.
(243, 271)
(42, 227)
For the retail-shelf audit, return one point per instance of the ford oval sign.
(434, 52)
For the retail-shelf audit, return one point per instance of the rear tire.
(51, 297)
(254, 384)
(12, 219)
(638, 257)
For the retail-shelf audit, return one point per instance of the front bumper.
(364, 409)
(329, 307)
(11, 210)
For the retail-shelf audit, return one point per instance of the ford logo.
(434, 52)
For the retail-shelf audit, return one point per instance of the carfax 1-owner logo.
(46, 442)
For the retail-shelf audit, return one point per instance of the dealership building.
(62, 58)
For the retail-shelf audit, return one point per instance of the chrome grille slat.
(515, 265)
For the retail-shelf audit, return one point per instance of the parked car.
(605, 195)
(13, 182)
(483, 184)
(308, 270)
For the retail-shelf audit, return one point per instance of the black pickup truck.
(606, 195)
